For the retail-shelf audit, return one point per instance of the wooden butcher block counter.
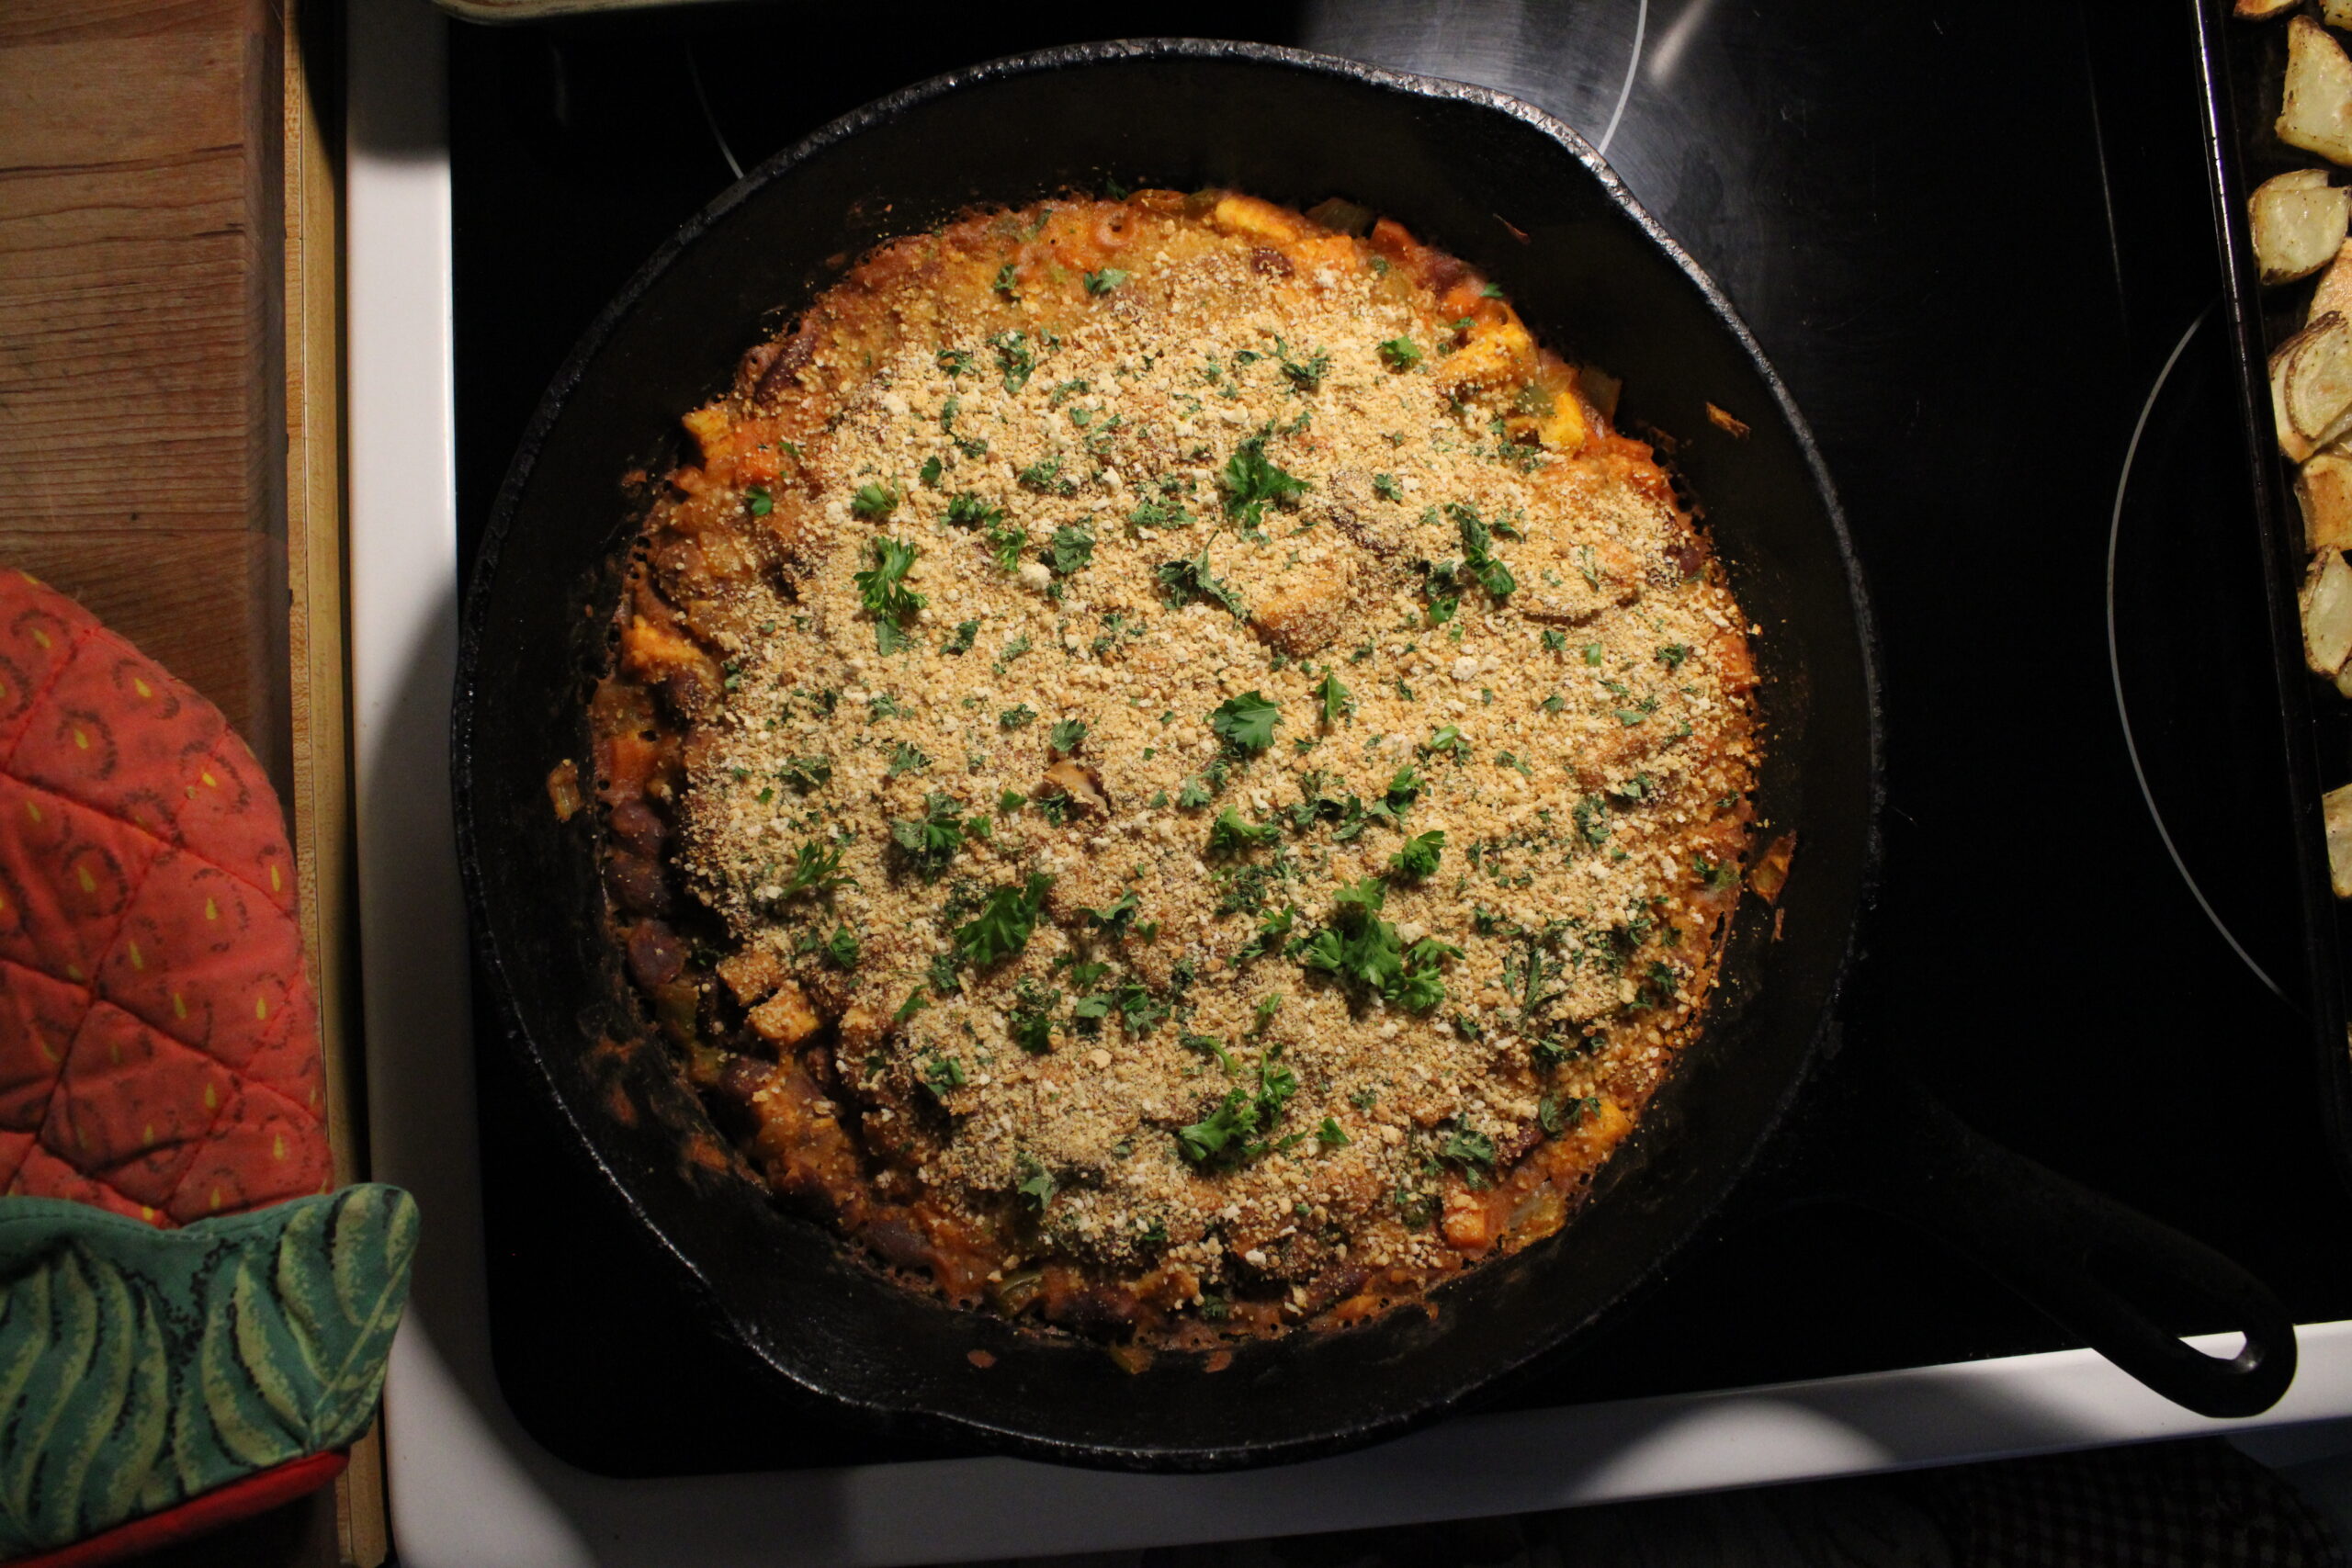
(168, 441)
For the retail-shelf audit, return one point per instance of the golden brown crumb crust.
(1167, 770)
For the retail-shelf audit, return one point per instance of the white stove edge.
(470, 1488)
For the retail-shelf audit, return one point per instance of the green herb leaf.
(758, 501)
(1001, 928)
(1072, 550)
(1400, 353)
(873, 501)
(1065, 735)
(1104, 281)
(1250, 479)
(1331, 1135)
(1247, 722)
(1229, 835)
(816, 868)
(1184, 582)
(1015, 359)
(1419, 857)
(1338, 701)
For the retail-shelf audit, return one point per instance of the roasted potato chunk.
(2317, 113)
(2297, 221)
(2310, 386)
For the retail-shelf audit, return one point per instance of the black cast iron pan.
(1523, 197)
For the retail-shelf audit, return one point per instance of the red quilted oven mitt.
(159, 1051)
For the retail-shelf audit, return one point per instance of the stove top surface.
(1982, 258)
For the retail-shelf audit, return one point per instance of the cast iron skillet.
(1520, 195)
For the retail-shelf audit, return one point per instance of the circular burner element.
(2187, 642)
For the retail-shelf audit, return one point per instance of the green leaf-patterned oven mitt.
(140, 1368)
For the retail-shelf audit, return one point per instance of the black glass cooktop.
(1982, 258)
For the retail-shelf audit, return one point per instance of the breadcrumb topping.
(1234, 762)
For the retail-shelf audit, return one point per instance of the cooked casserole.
(1165, 769)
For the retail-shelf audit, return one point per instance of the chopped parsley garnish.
(906, 757)
(931, 839)
(1472, 1151)
(1140, 1011)
(1208, 1046)
(1400, 353)
(840, 947)
(1477, 562)
(1072, 550)
(1194, 793)
(1385, 487)
(1556, 1115)
(1364, 954)
(1418, 859)
(1717, 876)
(1331, 1135)
(1447, 738)
(1045, 476)
(1338, 701)
(758, 501)
(1250, 479)
(1308, 374)
(1031, 1022)
(1113, 919)
(940, 1074)
(1184, 582)
(1103, 282)
(1160, 514)
(1404, 789)
(1245, 723)
(1554, 641)
(1017, 717)
(931, 469)
(1673, 654)
(816, 868)
(1014, 359)
(1238, 1129)
(802, 775)
(962, 641)
(1229, 835)
(1036, 1185)
(1065, 735)
(1554, 703)
(882, 589)
(954, 361)
(971, 512)
(874, 501)
(1012, 650)
(1005, 278)
(1001, 928)
(1591, 819)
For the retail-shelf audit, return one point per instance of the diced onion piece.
(2317, 113)
(2335, 811)
(2327, 613)
(2261, 10)
(2310, 386)
(2336, 12)
(2298, 222)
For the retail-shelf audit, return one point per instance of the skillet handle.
(2069, 1251)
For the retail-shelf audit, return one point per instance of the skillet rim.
(1769, 1121)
